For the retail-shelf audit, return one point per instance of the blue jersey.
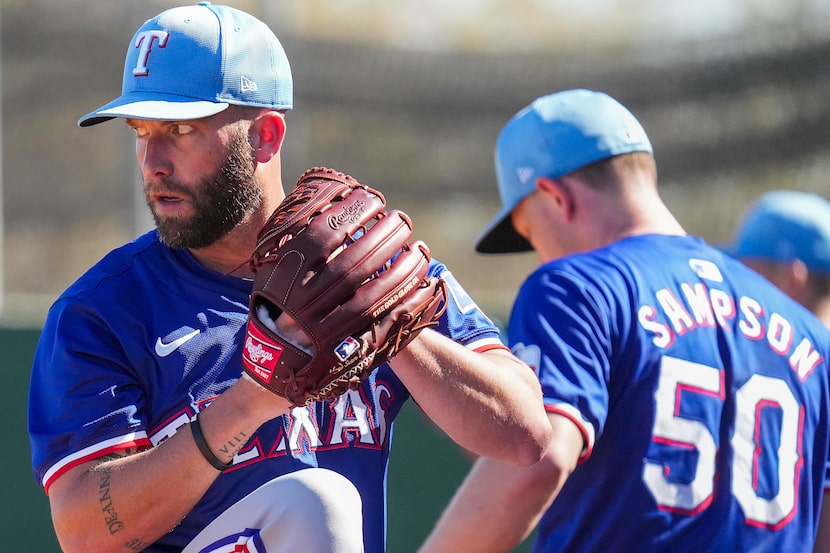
(148, 337)
(701, 391)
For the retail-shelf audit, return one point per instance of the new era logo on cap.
(247, 85)
(524, 174)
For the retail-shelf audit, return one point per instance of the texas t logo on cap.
(144, 42)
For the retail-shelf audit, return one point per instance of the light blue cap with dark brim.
(555, 135)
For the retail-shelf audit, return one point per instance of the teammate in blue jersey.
(152, 334)
(687, 395)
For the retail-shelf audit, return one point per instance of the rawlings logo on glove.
(341, 267)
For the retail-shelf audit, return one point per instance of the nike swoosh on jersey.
(163, 350)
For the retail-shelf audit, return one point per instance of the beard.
(221, 201)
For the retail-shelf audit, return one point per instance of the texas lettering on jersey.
(350, 420)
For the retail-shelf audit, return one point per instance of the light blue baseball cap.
(553, 136)
(194, 61)
(784, 225)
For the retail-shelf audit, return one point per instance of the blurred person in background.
(785, 236)
(688, 396)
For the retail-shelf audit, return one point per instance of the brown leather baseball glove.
(333, 259)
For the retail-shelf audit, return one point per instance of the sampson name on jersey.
(706, 400)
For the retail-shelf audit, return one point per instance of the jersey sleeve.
(558, 328)
(463, 320)
(84, 401)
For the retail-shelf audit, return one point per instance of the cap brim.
(156, 108)
(499, 236)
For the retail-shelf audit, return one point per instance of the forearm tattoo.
(233, 445)
(111, 519)
(114, 524)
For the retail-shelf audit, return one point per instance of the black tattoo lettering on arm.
(111, 519)
(105, 499)
(234, 444)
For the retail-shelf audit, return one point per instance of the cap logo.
(247, 85)
(524, 174)
(144, 42)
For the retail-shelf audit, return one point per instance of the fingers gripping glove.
(333, 259)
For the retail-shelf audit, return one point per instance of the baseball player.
(144, 433)
(785, 236)
(688, 397)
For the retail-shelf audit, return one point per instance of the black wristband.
(201, 443)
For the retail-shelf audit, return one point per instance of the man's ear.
(789, 276)
(559, 192)
(798, 273)
(268, 132)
